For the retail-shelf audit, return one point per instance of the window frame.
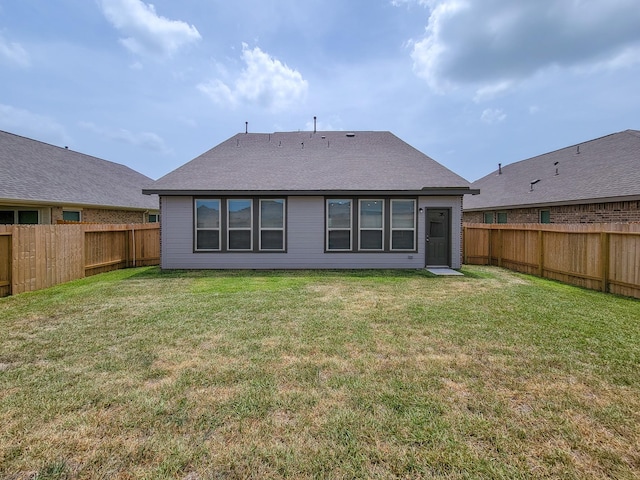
(196, 229)
(272, 229)
(330, 229)
(414, 229)
(387, 231)
(380, 229)
(548, 215)
(489, 215)
(254, 229)
(229, 229)
(79, 212)
(23, 210)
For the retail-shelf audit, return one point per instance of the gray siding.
(305, 240)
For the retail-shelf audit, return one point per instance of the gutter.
(583, 201)
(426, 191)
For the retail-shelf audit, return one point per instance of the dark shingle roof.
(38, 172)
(603, 169)
(309, 162)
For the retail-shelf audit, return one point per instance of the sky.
(471, 83)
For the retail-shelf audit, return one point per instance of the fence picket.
(597, 256)
(40, 256)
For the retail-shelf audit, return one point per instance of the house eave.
(426, 191)
(21, 202)
(584, 201)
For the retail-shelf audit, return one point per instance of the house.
(45, 184)
(593, 182)
(311, 200)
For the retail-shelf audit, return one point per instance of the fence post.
(604, 258)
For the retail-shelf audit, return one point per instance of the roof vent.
(556, 165)
(351, 134)
(532, 184)
(499, 169)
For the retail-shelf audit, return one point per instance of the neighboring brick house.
(597, 181)
(45, 184)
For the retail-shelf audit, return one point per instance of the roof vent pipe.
(499, 169)
(532, 184)
(246, 127)
(556, 165)
(314, 124)
(578, 150)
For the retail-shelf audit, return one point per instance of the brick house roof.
(600, 170)
(307, 163)
(39, 173)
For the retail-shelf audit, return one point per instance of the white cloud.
(145, 31)
(265, 81)
(493, 115)
(32, 124)
(14, 53)
(146, 140)
(493, 46)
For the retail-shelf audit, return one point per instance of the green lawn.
(215, 375)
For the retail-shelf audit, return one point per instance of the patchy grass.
(197, 375)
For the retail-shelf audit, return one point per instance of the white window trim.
(361, 229)
(196, 229)
(239, 229)
(391, 229)
(331, 229)
(272, 229)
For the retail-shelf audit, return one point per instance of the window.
(403, 224)
(230, 225)
(207, 224)
(71, 215)
(375, 225)
(239, 221)
(272, 223)
(371, 224)
(6, 217)
(339, 224)
(545, 216)
(488, 217)
(154, 218)
(21, 217)
(502, 217)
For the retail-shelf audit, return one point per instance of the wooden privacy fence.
(33, 257)
(602, 257)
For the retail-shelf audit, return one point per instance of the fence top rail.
(591, 228)
(121, 227)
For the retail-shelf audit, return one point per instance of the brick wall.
(98, 215)
(612, 212)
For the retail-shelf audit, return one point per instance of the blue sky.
(471, 83)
